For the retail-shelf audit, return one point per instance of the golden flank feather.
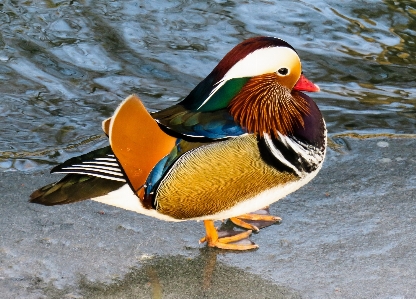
(193, 189)
(265, 106)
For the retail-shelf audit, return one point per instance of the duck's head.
(258, 80)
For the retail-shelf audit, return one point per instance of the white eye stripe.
(263, 61)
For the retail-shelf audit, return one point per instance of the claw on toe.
(256, 220)
(231, 240)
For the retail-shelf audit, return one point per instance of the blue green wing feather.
(196, 125)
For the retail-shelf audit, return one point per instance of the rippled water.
(65, 65)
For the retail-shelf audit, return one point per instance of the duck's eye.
(283, 71)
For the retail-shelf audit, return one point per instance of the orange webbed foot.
(256, 220)
(231, 240)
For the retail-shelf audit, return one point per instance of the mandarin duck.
(245, 137)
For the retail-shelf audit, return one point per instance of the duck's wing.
(140, 140)
(143, 146)
(99, 163)
(196, 125)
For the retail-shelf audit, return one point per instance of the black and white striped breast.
(291, 154)
(303, 152)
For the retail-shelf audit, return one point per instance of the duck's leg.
(238, 241)
(256, 220)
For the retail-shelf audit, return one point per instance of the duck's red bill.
(304, 84)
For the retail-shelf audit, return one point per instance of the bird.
(246, 136)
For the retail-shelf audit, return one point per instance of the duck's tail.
(74, 188)
(90, 175)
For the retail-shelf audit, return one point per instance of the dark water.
(65, 65)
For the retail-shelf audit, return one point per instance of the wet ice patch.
(35, 73)
(86, 56)
(60, 25)
(115, 83)
(382, 144)
(385, 160)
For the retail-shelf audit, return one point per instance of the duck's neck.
(313, 131)
(303, 151)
